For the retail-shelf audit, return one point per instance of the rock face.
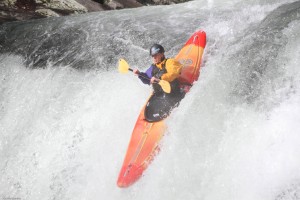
(13, 10)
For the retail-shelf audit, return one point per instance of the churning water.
(66, 114)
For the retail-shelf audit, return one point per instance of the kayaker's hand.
(154, 80)
(136, 71)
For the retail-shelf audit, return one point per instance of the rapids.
(66, 114)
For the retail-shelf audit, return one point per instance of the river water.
(66, 114)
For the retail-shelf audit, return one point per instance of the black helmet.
(155, 49)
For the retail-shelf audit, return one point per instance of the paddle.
(124, 68)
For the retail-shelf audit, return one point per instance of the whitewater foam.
(66, 116)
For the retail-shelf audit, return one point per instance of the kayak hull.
(142, 148)
(145, 138)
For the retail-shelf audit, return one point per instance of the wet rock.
(13, 10)
(46, 12)
(92, 6)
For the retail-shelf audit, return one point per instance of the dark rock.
(92, 6)
(15, 10)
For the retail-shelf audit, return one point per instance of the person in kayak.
(161, 69)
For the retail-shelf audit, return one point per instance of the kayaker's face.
(157, 58)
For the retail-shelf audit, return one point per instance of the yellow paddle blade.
(123, 66)
(165, 85)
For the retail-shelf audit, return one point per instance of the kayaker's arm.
(145, 77)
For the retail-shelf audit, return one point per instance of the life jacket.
(157, 73)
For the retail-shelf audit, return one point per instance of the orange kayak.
(146, 135)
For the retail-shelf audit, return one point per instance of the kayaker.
(163, 68)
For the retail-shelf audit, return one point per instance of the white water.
(64, 130)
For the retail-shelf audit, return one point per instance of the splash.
(66, 115)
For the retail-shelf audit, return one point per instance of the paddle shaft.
(145, 77)
(124, 67)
